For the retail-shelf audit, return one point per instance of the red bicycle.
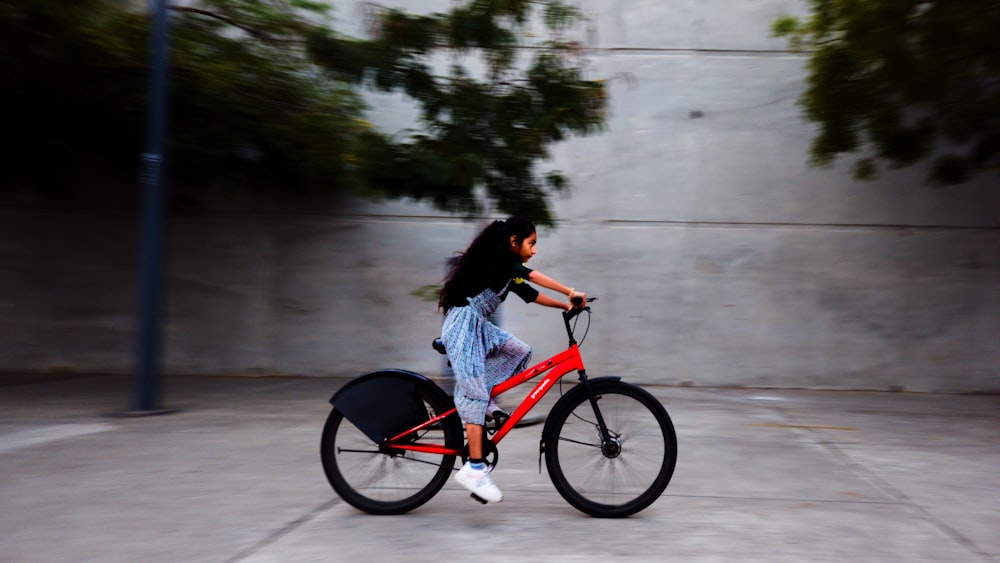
(391, 441)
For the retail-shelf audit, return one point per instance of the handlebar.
(577, 301)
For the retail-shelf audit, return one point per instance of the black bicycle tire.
(453, 437)
(579, 399)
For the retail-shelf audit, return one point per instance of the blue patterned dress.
(481, 353)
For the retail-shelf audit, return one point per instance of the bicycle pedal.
(492, 427)
(499, 419)
(478, 498)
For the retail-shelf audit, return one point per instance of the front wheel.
(623, 474)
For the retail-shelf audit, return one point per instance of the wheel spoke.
(598, 446)
(349, 451)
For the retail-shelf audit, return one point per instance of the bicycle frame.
(555, 368)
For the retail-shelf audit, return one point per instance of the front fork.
(605, 436)
(609, 446)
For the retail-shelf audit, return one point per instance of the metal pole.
(151, 257)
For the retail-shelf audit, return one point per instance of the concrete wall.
(719, 256)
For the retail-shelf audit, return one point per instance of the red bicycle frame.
(557, 366)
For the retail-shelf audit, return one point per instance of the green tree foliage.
(901, 81)
(486, 124)
(264, 94)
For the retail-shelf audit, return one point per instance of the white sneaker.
(479, 483)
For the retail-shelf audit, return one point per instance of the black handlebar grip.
(576, 300)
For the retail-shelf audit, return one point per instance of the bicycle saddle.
(438, 345)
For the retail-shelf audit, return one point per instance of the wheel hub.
(612, 448)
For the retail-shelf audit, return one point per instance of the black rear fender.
(385, 403)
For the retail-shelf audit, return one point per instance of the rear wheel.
(620, 476)
(383, 480)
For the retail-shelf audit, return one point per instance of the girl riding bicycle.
(481, 354)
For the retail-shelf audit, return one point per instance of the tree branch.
(230, 21)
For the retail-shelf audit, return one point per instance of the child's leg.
(474, 433)
(508, 360)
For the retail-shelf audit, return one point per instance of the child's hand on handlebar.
(577, 299)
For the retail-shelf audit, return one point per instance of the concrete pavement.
(234, 475)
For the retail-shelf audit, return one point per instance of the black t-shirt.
(507, 267)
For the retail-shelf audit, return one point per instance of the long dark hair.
(467, 271)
